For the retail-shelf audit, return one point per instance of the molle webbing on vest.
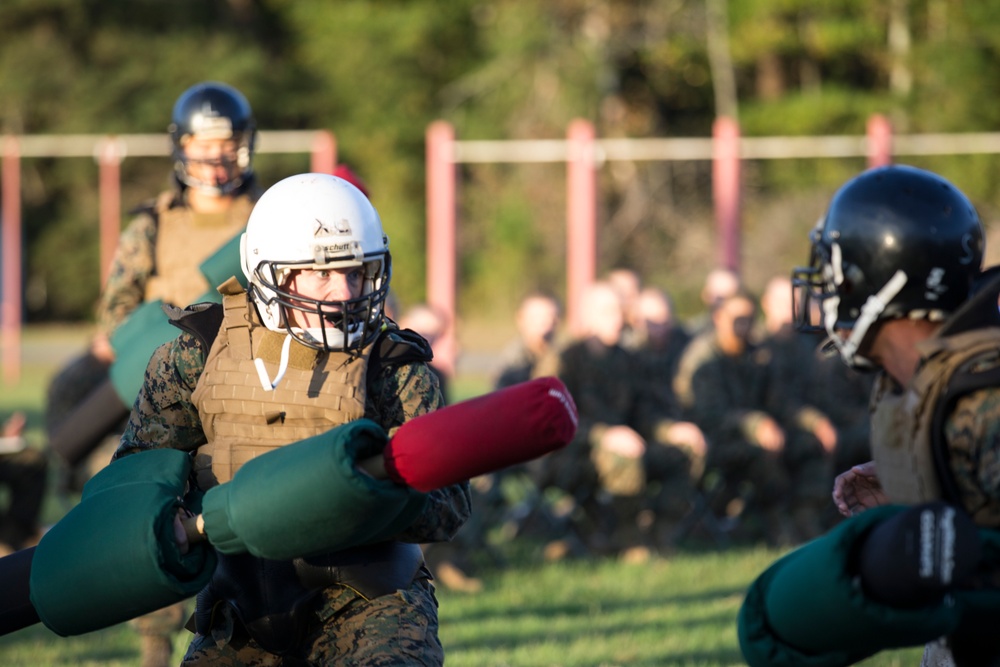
(903, 424)
(184, 239)
(242, 420)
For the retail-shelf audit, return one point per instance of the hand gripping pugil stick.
(470, 438)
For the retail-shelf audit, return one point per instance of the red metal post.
(110, 153)
(879, 141)
(324, 153)
(581, 218)
(726, 190)
(10, 242)
(441, 251)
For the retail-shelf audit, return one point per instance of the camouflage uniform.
(517, 364)
(341, 626)
(133, 266)
(727, 397)
(951, 407)
(675, 468)
(610, 489)
(135, 277)
(134, 272)
(844, 394)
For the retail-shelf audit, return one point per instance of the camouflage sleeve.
(131, 267)
(400, 393)
(163, 414)
(972, 432)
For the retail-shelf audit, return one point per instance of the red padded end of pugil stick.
(482, 435)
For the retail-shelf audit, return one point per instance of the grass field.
(679, 610)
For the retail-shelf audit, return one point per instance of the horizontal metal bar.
(751, 148)
(147, 145)
(548, 150)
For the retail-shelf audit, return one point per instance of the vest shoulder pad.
(401, 346)
(153, 207)
(202, 320)
(145, 208)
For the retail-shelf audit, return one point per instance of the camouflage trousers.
(156, 634)
(396, 629)
(668, 467)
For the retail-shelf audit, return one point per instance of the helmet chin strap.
(870, 312)
(265, 380)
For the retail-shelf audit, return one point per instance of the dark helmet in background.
(895, 242)
(213, 110)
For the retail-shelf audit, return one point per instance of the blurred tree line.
(376, 72)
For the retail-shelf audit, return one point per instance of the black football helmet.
(896, 242)
(214, 110)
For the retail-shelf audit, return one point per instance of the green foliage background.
(377, 72)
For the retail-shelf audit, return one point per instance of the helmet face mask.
(317, 222)
(213, 133)
(896, 242)
(347, 324)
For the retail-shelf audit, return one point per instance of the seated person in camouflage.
(306, 348)
(722, 383)
(793, 362)
(537, 323)
(212, 189)
(680, 458)
(609, 465)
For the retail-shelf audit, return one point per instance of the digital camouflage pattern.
(389, 631)
(133, 263)
(972, 432)
(164, 416)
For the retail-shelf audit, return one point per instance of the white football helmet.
(317, 221)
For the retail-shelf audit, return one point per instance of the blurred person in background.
(722, 383)
(719, 284)
(448, 561)
(213, 188)
(537, 322)
(431, 323)
(678, 461)
(793, 362)
(627, 282)
(609, 467)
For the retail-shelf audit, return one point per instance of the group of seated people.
(729, 423)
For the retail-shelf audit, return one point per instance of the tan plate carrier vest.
(240, 419)
(902, 423)
(185, 239)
